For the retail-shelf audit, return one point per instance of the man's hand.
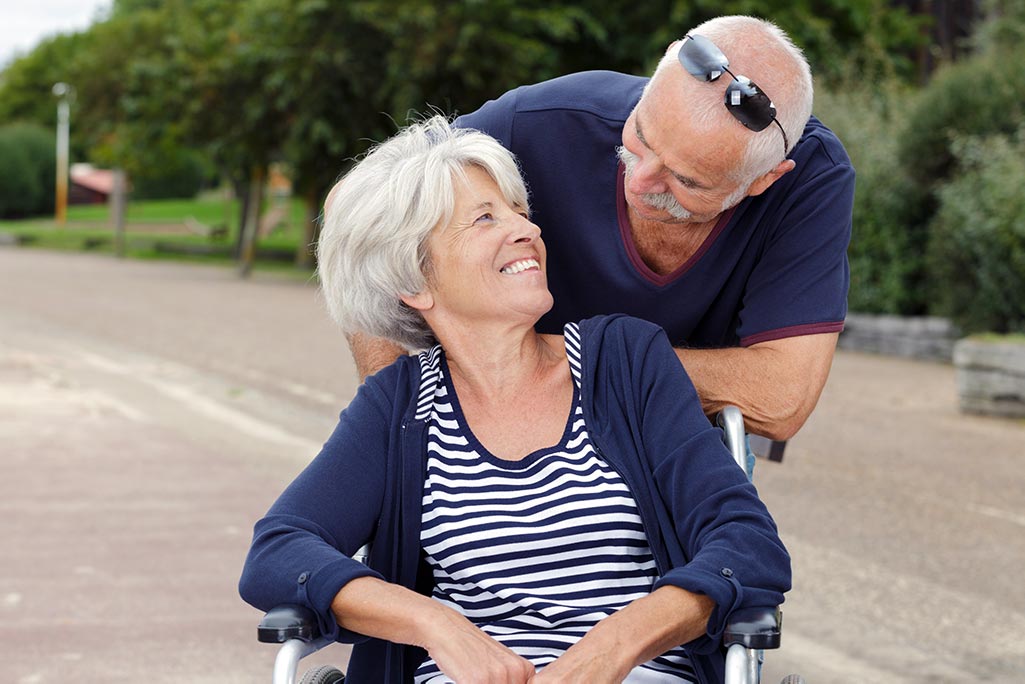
(371, 354)
(775, 384)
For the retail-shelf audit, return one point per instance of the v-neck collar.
(631, 249)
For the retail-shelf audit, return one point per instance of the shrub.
(171, 172)
(982, 95)
(976, 254)
(888, 238)
(27, 170)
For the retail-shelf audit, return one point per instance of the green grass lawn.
(1011, 338)
(210, 211)
(163, 229)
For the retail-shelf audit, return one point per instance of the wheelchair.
(748, 633)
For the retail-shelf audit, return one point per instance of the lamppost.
(63, 93)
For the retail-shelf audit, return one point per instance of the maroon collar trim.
(631, 250)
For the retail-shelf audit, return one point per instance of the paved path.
(150, 412)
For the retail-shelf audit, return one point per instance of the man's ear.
(672, 45)
(763, 183)
(421, 301)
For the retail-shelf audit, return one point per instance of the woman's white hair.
(767, 50)
(373, 246)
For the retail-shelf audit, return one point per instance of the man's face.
(676, 173)
(659, 201)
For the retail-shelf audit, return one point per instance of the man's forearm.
(775, 384)
(371, 354)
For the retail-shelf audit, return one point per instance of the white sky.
(23, 23)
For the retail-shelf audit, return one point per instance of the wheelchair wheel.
(325, 674)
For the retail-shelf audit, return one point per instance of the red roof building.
(89, 185)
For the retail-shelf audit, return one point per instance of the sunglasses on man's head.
(747, 103)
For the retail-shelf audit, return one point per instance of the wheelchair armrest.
(757, 628)
(286, 622)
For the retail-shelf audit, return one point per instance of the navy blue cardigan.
(707, 529)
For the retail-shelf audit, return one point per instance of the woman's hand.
(468, 655)
(583, 665)
(642, 630)
(376, 608)
(598, 658)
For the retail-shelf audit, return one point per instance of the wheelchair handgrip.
(757, 628)
(286, 622)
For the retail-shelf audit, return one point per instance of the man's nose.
(647, 177)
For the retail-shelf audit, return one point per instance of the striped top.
(535, 551)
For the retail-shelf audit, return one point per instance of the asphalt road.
(150, 412)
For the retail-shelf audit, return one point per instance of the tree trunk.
(254, 201)
(305, 255)
(242, 193)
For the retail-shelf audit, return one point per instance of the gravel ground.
(150, 412)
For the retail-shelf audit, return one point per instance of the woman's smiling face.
(488, 262)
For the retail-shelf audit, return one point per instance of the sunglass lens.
(749, 104)
(702, 59)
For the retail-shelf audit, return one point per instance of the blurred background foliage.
(27, 169)
(185, 94)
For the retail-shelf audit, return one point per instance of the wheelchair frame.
(748, 632)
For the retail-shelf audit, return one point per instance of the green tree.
(456, 55)
(310, 82)
(322, 64)
(232, 105)
(119, 94)
(841, 38)
(202, 84)
(26, 84)
(344, 76)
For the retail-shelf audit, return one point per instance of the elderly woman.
(540, 508)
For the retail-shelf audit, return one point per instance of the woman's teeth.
(519, 266)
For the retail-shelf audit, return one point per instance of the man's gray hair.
(373, 246)
(769, 50)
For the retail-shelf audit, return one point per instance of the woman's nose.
(526, 230)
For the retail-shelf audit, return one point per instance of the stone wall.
(920, 337)
(991, 376)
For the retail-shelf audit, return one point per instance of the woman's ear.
(421, 301)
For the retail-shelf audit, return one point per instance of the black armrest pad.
(762, 447)
(288, 622)
(754, 628)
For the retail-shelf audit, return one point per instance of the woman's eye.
(484, 217)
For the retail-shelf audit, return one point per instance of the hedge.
(976, 255)
(28, 169)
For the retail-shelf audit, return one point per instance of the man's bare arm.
(371, 354)
(776, 384)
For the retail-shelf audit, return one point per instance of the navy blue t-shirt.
(775, 266)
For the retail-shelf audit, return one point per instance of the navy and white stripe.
(534, 551)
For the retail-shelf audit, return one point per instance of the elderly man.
(695, 201)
